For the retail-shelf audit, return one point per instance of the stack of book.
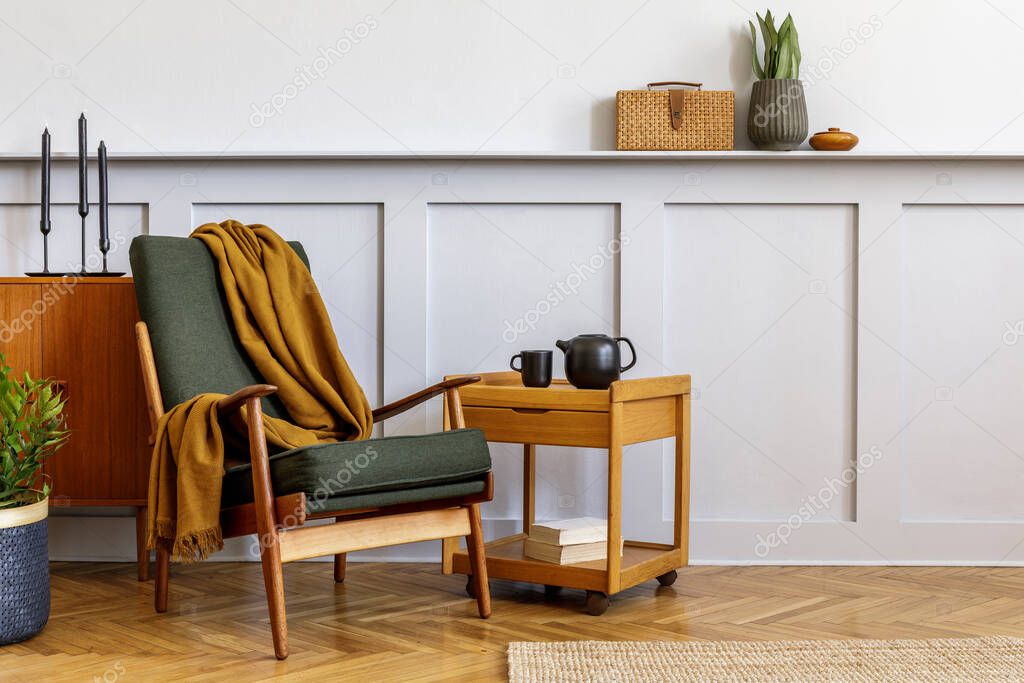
(568, 541)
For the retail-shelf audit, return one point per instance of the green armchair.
(380, 492)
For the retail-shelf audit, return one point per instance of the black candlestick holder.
(83, 215)
(83, 205)
(44, 227)
(104, 249)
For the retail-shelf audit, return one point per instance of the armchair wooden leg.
(266, 528)
(478, 560)
(339, 568)
(163, 562)
(273, 582)
(339, 562)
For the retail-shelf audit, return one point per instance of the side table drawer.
(545, 427)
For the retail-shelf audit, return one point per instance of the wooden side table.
(630, 411)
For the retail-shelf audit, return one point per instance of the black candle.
(44, 192)
(104, 207)
(83, 176)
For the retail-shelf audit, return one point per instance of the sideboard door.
(89, 345)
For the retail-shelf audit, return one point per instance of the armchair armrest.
(230, 404)
(404, 404)
(262, 488)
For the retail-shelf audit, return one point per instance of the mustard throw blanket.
(283, 326)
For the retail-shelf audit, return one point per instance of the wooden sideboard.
(80, 333)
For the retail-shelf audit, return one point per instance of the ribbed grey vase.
(24, 582)
(778, 114)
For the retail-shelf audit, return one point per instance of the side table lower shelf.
(641, 562)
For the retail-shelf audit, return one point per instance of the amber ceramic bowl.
(834, 140)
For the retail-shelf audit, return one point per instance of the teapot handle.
(631, 349)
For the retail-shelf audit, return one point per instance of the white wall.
(161, 76)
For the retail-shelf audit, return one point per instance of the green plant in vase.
(32, 429)
(777, 119)
(781, 48)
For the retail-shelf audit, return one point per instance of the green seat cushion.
(379, 499)
(375, 466)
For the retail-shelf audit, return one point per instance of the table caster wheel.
(470, 586)
(597, 603)
(668, 578)
(551, 591)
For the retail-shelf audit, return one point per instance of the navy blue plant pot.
(24, 573)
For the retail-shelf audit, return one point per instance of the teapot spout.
(562, 345)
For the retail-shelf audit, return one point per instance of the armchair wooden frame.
(278, 520)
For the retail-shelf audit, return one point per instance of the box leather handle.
(675, 103)
(675, 99)
(659, 84)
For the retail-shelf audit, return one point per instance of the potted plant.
(32, 429)
(778, 111)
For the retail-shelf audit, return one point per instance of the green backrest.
(194, 341)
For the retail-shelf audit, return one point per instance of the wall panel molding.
(909, 360)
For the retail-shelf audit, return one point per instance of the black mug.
(535, 367)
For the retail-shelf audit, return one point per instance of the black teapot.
(592, 360)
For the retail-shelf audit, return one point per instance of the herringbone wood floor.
(409, 623)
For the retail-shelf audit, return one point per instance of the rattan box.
(674, 119)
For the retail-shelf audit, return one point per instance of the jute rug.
(959, 659)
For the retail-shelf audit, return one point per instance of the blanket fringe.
(188, 548)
